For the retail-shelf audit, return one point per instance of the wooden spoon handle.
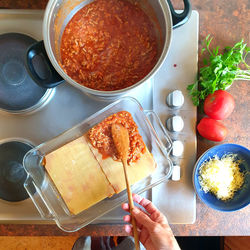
(131, 205)
(136, 237)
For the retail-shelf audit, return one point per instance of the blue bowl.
(241, 197)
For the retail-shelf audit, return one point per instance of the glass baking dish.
(43, 192)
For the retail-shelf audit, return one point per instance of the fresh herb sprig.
(220, 70)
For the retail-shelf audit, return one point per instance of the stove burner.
(18, 92)
(13, 72)
(12, 173)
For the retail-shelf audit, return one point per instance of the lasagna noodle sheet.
(77, 175)
(114, 169)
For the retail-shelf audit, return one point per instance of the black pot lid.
(17, 90)
(12, 173)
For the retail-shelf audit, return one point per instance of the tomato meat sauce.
(100, 137)
(109, 45)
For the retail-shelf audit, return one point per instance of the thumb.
(143, 219)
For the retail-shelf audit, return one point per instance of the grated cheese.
(222, 176)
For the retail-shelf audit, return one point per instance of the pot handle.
(52, 78)
(180, 18)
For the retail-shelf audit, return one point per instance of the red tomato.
(211, 129)
(219, 105)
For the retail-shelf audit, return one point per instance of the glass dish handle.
(164, 139)
(37, 199)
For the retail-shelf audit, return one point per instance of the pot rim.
(48, 16)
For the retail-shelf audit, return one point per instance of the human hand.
(154, 231)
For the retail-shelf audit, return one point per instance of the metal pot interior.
(59, 13)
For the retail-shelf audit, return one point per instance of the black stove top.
(12, 173)
(17, 90)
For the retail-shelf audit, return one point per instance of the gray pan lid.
(18, 91)
(12, 173)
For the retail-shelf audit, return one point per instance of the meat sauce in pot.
(109, 45)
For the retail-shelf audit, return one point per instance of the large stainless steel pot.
(57, 15)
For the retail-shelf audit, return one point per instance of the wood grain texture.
(37, 243)
(227, 22)
(236, 243)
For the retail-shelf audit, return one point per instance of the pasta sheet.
(77, 175)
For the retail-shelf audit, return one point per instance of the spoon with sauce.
(121, 140)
